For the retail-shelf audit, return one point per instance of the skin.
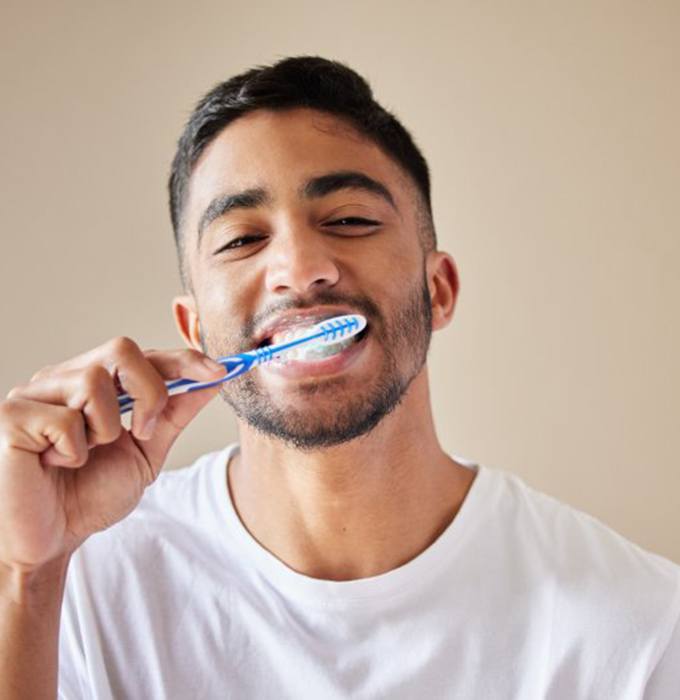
(368, 505)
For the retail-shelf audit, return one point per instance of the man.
(336, 551)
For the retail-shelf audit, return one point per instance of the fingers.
(90, 391)
(89, 382)
(140, 379)
(58, 432)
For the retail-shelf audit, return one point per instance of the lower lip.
(297, 369)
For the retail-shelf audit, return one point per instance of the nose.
(299, 262)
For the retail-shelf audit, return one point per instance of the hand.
(68, 467)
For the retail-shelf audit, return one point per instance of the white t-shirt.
(521, 597)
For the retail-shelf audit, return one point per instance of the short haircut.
(294, 82)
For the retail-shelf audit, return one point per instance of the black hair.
(299, 81)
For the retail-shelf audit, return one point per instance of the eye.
(352, 221)
(240, 242)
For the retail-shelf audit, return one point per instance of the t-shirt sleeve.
(664, 683)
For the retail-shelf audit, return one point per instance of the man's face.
(300, 244)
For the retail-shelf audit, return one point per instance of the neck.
(355, 510)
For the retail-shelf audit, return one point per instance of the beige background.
(552, 133)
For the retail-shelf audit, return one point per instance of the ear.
(443, 284)
(186, 320)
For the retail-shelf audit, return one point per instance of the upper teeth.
(304, 352)
(289, 334)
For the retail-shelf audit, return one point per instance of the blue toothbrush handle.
(234, 364)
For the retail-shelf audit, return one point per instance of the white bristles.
(339, 333)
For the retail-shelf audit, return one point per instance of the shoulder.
(600, 579)
(575, 543)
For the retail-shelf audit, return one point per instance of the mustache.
(324, 297)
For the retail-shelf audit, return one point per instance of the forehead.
(278, 151)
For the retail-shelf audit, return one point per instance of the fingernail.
(212, 365)
(147, 430)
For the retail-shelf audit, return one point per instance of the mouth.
(312, 363)
(296, 327)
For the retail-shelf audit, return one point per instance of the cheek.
(218, 311)
(395, 275)
(214, 301)
(222, 292)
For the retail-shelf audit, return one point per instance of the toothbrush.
(326, 332)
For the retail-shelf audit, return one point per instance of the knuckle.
(94, 378)
(16, 392)
(122, 346)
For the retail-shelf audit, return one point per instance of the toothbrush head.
(328, 332)
(340, 327)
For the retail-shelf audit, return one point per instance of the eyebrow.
(314, 188)
(224, 203)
